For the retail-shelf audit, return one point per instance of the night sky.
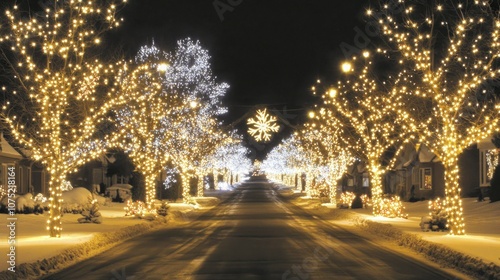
(270, 52)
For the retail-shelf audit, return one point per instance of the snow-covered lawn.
(482, 226)
(33, 243)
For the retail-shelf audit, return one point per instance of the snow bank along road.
(253, 235)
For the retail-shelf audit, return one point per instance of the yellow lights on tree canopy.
(364, 112)
(346, 67)
(62, 98)
(449, 89)
(262, 125)
(171, 117)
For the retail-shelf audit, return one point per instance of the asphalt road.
(252, 235)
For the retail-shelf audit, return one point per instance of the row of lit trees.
(66, 107)
(172, 115)
(436, 86)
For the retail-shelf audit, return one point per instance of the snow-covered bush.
(437, 218)
(91, 215)
(24, 204)
(79, 199)
(80, 196)
(163, 209)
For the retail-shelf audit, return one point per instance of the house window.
(487, 162)
(425, 178)
(366, 180)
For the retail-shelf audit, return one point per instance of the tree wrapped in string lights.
(314, 161)
(172, 115)
(144, 122)
(230, 157)
(368, 113)
(59, 94)
(450, 52)
(190, 75)
(329, 144)
(286, 158)
(194, 144)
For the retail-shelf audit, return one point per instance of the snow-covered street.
(254, 235)
(33, 243)
(482, 239)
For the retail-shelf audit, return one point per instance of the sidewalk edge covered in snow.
(436, 252)
(95, 245)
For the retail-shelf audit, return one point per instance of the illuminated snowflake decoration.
(262, 126)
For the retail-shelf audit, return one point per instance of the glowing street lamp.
(346, 67)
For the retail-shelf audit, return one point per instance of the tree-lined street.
(409, 114)
(252, 235)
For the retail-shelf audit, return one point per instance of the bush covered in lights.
(346, 199)
(392, 208)
(139, 209)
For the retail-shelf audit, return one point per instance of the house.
(419, 173)
(9, 157)
(30, 175)
(93, 175)
(356, 178)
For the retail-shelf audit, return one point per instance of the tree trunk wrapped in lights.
(200, 186)
(453, 202)
(230, 155)
(453, 77)
(376, 188)
(366, 113)
(337, 166)
(288, 157)
(323, 141)
(59, 95)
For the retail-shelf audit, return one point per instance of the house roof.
(486, 144)
(406, 157)
(7, 150)
(426, 155)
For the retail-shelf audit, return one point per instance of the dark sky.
(270, 52)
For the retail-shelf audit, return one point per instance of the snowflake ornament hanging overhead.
(262, 125)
